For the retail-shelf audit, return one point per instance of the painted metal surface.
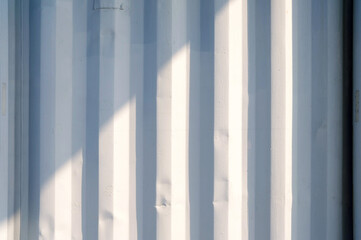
(168, 119)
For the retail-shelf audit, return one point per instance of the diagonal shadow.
(144, 33)
(144, 89)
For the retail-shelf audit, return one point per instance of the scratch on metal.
(100, 7)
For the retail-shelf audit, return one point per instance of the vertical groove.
(302, 135)
(149, 121)
(350, 53)
(34, 118)
(78, 128)
(23, 117)
(206, 117)
(47, 126)
(107, 189)
(356, 85)
(90, 201)
(259, 118)
(334, 119)
(250, 100)
(319, 121)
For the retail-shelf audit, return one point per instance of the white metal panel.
(188, 119)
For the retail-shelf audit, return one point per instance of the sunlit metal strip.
(229, 59)
(221, 119)
(172, 121)
(180, 65)
(281, 118)
(164, 120)
(237, 70)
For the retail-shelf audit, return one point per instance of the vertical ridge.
(123, 105)
(63, 121)
(107, 121)
(179, 121)
(244, 116)
(10, 111)
(289, 116)
(228, 128)
(237, 51)
(4, 119)
(164, 179)
(281, 118)
(115, 156)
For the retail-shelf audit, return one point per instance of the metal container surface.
(171, 119)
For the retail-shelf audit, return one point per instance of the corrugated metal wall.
(170, 120)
